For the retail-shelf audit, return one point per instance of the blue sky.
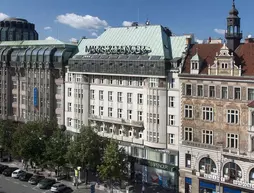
(76, 18)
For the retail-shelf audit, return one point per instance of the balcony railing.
(201, 145)
(116, 121)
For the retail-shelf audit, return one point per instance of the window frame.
(171, 120)
(171, 103)
(235, 138)
(209, 134)
(101, 95)
(236, 116)
(188, 134)
(129, 98)
(186, 89)
(140, 98)
(209, 91)
(119, 97)
(206, 113)
(202, 86)
(110, 96)
(248, 93)
(171, 138)
(235, 93)
(221, 93)
(110, 112)
(188, 108)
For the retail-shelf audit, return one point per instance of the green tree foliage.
(30, 140)
(86, 149)
(114, 164)
(56, 149)
(7, 129)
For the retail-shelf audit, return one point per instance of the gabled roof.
(206, 52)
(195, 57)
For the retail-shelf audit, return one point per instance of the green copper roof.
(195, 57)
(152, 36)
(178, 45)
(35, 43)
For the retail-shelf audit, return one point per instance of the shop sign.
(138, 50)
(243, 184)
(214, 177)
(158, 165)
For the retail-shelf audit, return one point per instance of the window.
(69, 77)
(171, 139)
(153, 82)
(92, 79)
(250, 93)
(23, 86)
(58, 103)
(224, 92)
(194, 65)
(140, 99)
(172, 159)
(237, 93)
(129, 97)
(92, 110)
(212, 91)
(129, 81)
(188, 160)
(140, 82)
(23, 99)
(100, 94)
(188, 111)
(188, 89)
(78, 78)
(172, 83)
(171, 119)
(119, 113)
(101, 111)
(188, 134)
(120, 81)
(110, 96)
(69, 107)
(69, 122)
(110, 112)
(200, 90)
(233, 116)
(69, 92)
(92, 94)
(129, 114)
(232, 140)
(58, 89)
(102, 80)
(208, 113)
(14, 99)
(207, 137)
(140, 116)
(14, 86)
(224, 65)
(111, 80)
(171, 101)
(119, 97)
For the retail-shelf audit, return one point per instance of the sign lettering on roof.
(138, 50)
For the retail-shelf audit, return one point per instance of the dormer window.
(224, 65)
(194, 65)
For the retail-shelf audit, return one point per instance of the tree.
(56, 148)
(115, 163)
(86, 150)
(30, 140)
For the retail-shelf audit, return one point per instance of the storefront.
(230, 190)
(207, 187)
(188, 185)
(151, 172)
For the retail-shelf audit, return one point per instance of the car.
(17, 173)
(46, 183)
(8, 171)
(25, 176)
(35, 179)
(2, 168)
(57, 187)
(66, 190)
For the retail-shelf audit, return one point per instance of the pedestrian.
(56, 172)
(143, 188)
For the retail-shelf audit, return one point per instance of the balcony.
(201, 145)
(112, 120)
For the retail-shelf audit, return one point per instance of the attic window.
(224, 65)
(194, 65)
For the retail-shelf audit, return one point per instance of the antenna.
(138, 15)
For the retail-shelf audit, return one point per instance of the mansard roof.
(244, 55)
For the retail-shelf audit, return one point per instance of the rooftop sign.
(139, 50)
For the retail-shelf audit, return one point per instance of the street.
(11, 185)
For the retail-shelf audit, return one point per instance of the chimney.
(188, 41)
(209, 40)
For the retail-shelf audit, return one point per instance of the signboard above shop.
(137, 50)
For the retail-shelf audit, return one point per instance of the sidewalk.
(98, 188)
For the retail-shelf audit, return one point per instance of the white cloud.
(47, 28)
(50, 38)
(94, 34)
(127, 23)
(3, 16)
(73, 40)
(199, 41)
(219, 31)
(81, 22)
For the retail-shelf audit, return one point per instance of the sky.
(74, 19)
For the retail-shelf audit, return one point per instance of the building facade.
(32, 79)
(17, 29)
(216, 151)
(120, 83)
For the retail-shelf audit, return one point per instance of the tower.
(233, 33)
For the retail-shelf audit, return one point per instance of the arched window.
(207, 166)
(251, 176)
(232, 171)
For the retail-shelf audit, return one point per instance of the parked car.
(65, 190)
(8, 171)
(25, 176)
(35, 179)
(57, 187)
(46, 183)
(2, 168)
(17, 173)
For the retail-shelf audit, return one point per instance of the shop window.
(188, 160)
(207, 166)
(232, 171)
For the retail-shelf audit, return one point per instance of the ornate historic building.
(216, 151)
(17, 29)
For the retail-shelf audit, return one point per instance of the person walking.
(143, 189)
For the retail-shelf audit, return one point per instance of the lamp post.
(220, 161)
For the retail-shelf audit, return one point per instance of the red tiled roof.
(207, 52)
(251, 104)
